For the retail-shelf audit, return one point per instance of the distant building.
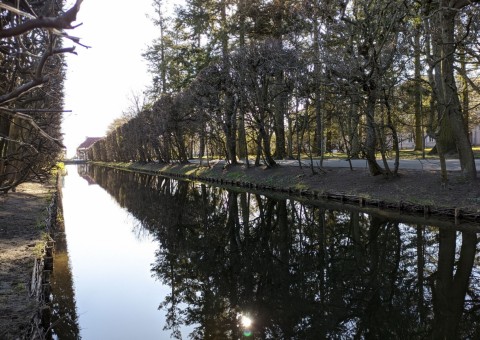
(407, 141)
(82, 150)
(475, 135)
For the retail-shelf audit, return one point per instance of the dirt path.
(22, 221)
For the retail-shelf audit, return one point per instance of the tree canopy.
(283, 78)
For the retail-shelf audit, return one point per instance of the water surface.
(110, 260)
(154, 258)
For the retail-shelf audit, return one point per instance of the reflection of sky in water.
(116, 296)
(247, 264)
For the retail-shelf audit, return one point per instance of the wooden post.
(426, 210)
(457, 215)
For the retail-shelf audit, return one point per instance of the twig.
(32, 122)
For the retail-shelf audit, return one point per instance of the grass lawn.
(476, 151)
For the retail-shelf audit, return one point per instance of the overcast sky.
(101, 79)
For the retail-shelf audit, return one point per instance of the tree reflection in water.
(297, 270)
(64, 316)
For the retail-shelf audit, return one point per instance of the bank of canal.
(412, 191)
(27, 216)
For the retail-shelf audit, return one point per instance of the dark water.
(154, 258)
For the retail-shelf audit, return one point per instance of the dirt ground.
(22, 216)
(417, 187)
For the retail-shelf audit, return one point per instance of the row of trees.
(281, 78)
(31, 87)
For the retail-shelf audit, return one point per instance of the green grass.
(404, 154)
(235, 176)
(20, 287)
(424, 202)
(300, 186)
(476, 151)
(411, 154)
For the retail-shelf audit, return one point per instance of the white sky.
(100, 80)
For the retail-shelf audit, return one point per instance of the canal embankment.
(27, 218)
(412, 191)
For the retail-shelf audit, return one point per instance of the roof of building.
(89, 142)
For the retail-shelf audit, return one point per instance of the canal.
(148, 257)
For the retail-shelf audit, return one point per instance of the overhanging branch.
(39, 78)
(61, 22)
(29, 119)
(17, 92)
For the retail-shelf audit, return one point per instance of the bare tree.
(365, 45)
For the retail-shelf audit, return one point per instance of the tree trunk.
(448, 108)
(229, 107)
(450, 289)
(290, 135)
(318, 147)
(230, 128)
(280, 105)
(371, 139)
(280, 113)
(242, 151)
(452, 102)
(266, 146)
(418, 94)
(443, 131)
(465, 93)
(242, 136)
(353, 129)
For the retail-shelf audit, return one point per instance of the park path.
(405, 164)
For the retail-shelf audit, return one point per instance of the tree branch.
(61, 22)
(467, 78)
(32, 122)
(18, 142)
(17, 92)
(16, 11)
(459, 4)
(39, 79)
